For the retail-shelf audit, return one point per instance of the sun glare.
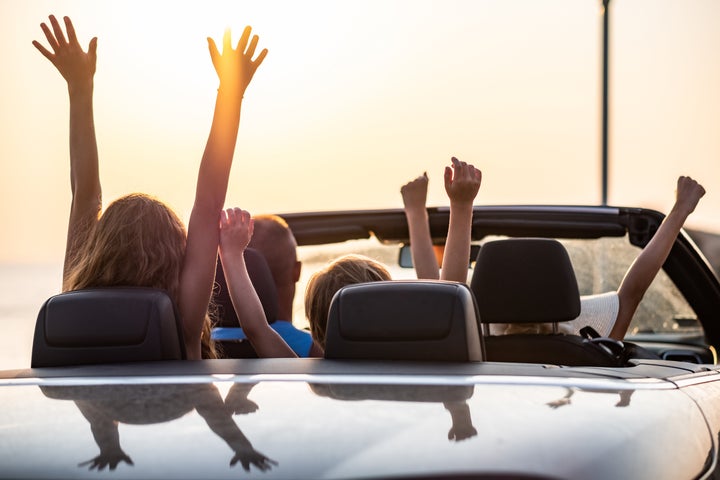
(359, 96)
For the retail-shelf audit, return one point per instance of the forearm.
(457, 247)
(423, 255)
(266, 341)
(203, 235)
(644, 269)
(84, 172)
(104, 429)
(218, 417)
(217, 158)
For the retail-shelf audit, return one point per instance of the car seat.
(531, 280)
(227, 320)
(107, 325)
(404, 320)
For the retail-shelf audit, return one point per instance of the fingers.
(46, 53)
(422, 179)
(448, 176)
(244, 39)
(214, 53)
(688, 184)
(59, 35)
(72, 38)
(92, 50)
(464, 171)
(57, 41)
(253, 45)
(227, 45)
(236, 217)
(256, 63)
(50, 37)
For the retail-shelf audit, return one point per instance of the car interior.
(517, 279)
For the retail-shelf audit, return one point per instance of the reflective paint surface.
(320, 430)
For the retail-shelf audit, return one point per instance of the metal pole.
(605, 95)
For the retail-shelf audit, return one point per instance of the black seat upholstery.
(404, 320)
(264, 284)
(107, 325)
(531, 280)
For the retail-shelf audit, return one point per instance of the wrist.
(679, 210)
(228, 89)
(232, 255)
(461, 205)
(81, 88)
(416, 212)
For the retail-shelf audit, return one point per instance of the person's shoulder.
(299, 340)
(597, 301)
(598, 311)
(286, 327)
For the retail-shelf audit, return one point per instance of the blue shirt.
(299, 340)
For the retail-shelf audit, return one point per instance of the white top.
(597, 311)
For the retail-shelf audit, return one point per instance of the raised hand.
(462, 432)
(249, 456)
(462, 182)
(237, 401)
(650, 260)
(108, 459)
(236, 67)
(688, 194)
(236, 229)
(414, 193)
(74, 64)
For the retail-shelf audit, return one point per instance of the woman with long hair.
(138, 240)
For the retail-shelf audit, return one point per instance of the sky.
(355, 98)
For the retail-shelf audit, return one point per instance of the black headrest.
(404, 320)
(263, 282)
(525, 280)
(107, 325)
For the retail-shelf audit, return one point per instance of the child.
(236, 229)
(462, 182)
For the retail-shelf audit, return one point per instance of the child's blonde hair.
(321, 288)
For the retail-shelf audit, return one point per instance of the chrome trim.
(454, 380)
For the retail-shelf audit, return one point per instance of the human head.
(273, 238)
(321, 288)
(138, 241)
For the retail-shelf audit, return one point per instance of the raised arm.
(462, 183)
(235, 69)
(78, 69)
(646, 266)
(414, 195)
(235, 231)
(209, 405)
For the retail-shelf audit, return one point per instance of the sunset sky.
(357, 97)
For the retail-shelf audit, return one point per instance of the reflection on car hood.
(320, 426)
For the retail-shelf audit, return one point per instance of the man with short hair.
(273, 238)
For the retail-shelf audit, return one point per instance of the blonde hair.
(536, 328)
(321, 288)
(138, 241)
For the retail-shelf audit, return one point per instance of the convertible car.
(415, 383)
